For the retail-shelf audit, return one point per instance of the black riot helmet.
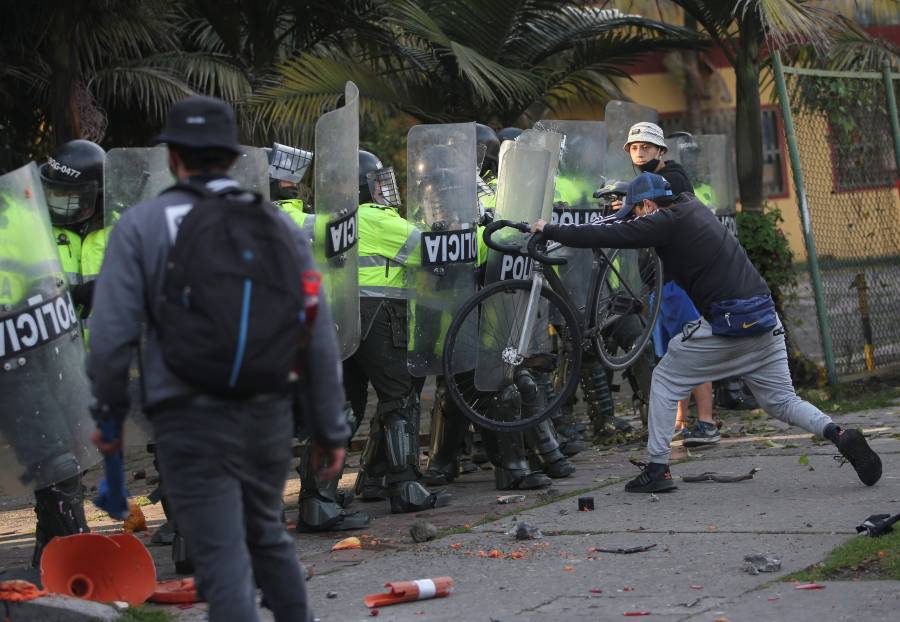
(73, 181)
(287, 166)
(508, 133)
(488, 148)
(368, 163)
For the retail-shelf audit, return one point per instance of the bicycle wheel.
(503, 392)
(627, 306)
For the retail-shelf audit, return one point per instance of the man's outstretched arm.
(653, 230)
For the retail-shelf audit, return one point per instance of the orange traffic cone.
(408, 591)
(97, 567)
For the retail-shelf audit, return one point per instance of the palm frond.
(151, 90)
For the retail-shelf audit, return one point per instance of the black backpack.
(231, 318)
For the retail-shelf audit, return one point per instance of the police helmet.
(73, 181)
(508, 133)
(488, 147)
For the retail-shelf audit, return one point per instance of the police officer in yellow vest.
(287, 167)
(73, 186)
(387, 244)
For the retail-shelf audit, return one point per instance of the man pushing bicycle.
(739, 333)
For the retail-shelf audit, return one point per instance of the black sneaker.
(855, 449)
(653, 478)
(701, 434)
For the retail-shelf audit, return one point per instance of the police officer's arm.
(321, 365)
(656, 229)
(119, 313)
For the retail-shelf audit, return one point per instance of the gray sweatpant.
(761, 360)
(225, 465)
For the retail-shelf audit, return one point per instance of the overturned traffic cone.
(408, 591)
(100, 568)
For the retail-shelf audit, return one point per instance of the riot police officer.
(387, 244)
(73, 186)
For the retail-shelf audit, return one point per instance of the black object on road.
(877, 525)
(585, 504)
(628, 551)
(710, 476)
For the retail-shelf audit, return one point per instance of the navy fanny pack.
(743, 317)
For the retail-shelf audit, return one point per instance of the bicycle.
(529, 328)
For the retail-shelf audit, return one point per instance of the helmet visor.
(383, 186)
(289, 163)
(70, 203)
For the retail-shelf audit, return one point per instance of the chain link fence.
(846, 145)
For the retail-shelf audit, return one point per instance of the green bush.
(768, 249)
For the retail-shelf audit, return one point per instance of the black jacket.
(677, 177)
(698, 253)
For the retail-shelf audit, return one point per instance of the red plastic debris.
(596, 591)
(773, 598)
(374, 613)
(696, 587)
(809, 586)
(634, 614)
(627, 589)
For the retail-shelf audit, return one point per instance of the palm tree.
(75, 65)
(459, 60)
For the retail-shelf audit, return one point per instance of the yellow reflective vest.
(388, 243)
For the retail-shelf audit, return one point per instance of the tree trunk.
(695, 91)
(748, 118)
(63, 106)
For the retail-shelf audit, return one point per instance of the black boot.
(60, 512)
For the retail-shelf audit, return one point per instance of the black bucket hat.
(202, 123)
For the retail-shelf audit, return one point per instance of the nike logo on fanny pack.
(746, 325)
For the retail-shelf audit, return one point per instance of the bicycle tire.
(461, 384)
(650, 300)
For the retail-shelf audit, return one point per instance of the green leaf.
(804, 460)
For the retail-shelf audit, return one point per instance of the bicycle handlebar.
(530, 249)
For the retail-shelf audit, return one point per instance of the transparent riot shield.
(521, 198)
(581, 170)
(442, 203)
(553, 141)
(337, 198)
(251, 170)
(620, 116)
(132, 175)
(45, 425)
(707, 159)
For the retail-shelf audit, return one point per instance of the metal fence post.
(892, 111)
(809, 238)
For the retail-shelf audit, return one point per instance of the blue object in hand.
(112, 497)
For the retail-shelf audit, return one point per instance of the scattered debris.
(348, 543)
(809, 586)
(596, 591)
(139, 474)
(506, 499)
(568, 568)
(755, 564)
(804, 460)
(653, 497)
(877, 525)
(374, 613)
(696, 587)
(423, 531)
(135, 521)
(585, 504)
(408, 591)
(563, 512)
(524, 531)
(710, 476)
(626, 551)
(331, 595)
(634, 614)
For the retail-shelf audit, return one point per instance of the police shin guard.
(402, 450)
(60, 512)
(448, 433)
(541, 438)
(571, 440)
(507, 449)
(598, 398)
(320, 506)
(370, 484)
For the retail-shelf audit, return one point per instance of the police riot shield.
(553, 141)
(523, 175)
(707, 159)
(620, 116)
(580, 174)
(251, 170)
(337, 198)
(132, 175)
(45, 426)
(442, 203)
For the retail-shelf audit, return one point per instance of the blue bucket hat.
(644, 186)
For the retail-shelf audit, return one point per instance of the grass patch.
(860, 395)
(860, 558)
(146, 615)
(141, 501)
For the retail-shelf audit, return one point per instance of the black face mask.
(649, 166)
